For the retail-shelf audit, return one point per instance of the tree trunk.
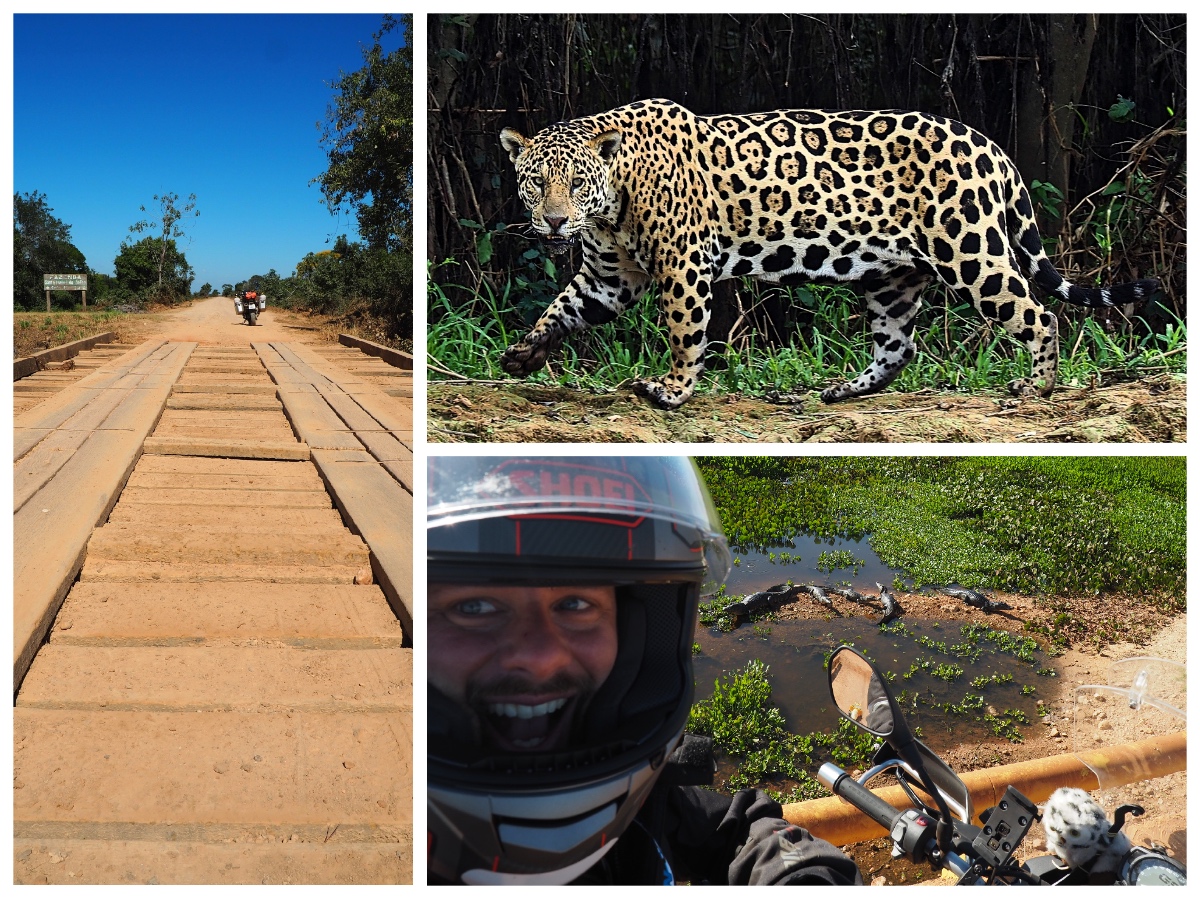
(1071, 38)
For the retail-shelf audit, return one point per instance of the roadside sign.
(64, 282)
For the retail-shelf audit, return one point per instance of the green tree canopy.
(368, 135)
(41, 245)
(152, 266)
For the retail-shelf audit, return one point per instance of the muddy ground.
(1153, 410)
(1145, 631)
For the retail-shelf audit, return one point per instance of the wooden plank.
(129, 544)
(291, 499)
(398, 358)
(58, 409)
(385, 447)
(344, 767)
(24, 367)
(255, 387)
(51, 530)
(219, 855)
(226, 448)
(216, 677)
(402, 472)
(43, 460)
(234, 402)
(178, 612)
(379, 509)
(390, 415)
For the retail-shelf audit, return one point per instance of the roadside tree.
(367, 134)
(154, 269)
(170, 226)
(41, 245)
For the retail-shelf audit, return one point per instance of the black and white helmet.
(644, 525)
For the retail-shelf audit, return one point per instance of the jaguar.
(892, 199)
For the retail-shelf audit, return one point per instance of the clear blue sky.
(109, 110)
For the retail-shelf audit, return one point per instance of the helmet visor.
(561, 519)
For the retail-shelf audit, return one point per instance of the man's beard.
(519, 727)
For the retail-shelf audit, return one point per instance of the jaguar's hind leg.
(892, 304)
(1004, 297)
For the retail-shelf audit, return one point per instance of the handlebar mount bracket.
(1005, 828)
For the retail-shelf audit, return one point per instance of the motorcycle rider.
(563, 595)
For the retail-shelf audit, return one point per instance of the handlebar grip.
(842, 784)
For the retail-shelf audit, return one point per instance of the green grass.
(1026, 524)
(956, 349)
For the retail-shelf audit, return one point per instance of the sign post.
(64, 282)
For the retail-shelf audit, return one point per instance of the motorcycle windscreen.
(1145, 698)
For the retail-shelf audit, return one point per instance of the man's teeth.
(512, 710)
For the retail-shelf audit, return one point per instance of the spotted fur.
(892, 199)
(1077, 831)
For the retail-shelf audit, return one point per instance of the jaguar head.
(564, 180)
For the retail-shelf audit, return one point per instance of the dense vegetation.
(1026, 524)
(150, 269)
(41, 245)
(1102, 146)
(368, 137)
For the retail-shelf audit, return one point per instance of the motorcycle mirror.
(862, 696)
(859, 693)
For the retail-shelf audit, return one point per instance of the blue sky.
(109, 110)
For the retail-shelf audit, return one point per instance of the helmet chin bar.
(532, 832)
(481, 877)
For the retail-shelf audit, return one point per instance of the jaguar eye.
(538, 181)
(576, 184)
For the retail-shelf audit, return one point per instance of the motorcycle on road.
(1086, 847)
(249, 304)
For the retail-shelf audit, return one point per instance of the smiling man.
(525, 660)
(563, 595)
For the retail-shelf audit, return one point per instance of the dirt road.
(225, 695)
(214, 322)
(1153, 410)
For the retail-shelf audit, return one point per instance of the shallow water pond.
(799, 562)
(955, 685)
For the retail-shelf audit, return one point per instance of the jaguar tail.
(1027, 244)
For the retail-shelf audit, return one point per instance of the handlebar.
(911, 831)
(842, 784)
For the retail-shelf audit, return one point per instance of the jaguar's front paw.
(834, 394)
(658, 392)
(525, 357)
(1027, 387)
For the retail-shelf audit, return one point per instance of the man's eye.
(576, 184)
(574, 604)
(474, 607)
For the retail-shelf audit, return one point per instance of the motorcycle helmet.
(647, 527)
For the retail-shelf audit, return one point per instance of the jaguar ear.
(606, 144)
(514, 142)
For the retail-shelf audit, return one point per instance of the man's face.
(525, 660)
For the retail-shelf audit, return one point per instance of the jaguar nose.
(555, 222)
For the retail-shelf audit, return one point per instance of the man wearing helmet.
(562, 602)
(526, 660)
